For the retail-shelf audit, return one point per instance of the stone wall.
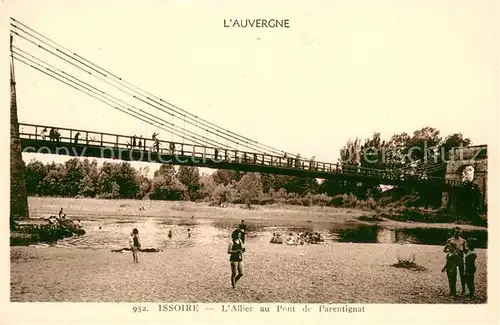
(475, 156)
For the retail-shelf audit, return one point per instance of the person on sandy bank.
(451, 256)
(243, 229)
(457, 261)
(235, 251)
(470, 266)
(135, 245)
(276, 239)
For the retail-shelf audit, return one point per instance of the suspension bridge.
(194, 140)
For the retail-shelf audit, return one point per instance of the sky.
(344, 69)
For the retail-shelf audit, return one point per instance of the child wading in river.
(135, 245)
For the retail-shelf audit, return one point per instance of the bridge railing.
(162, 147)
(117, 141)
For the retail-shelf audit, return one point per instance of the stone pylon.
(18, 195)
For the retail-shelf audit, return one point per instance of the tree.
(89, 186)
(350, 154)
(190, 177)
(126, 177)
(222, 194)
(373, 152)
(115, 191)
(268, 182)
(250, 188)
(396, 150)
(224, 177)
(424, 145)
(207, 186)
(53, 182)
(453, 141)
(165, 170)
(333, 187)
(106, 178)
(301, 185)
(144, 186)
(73, 175)
(35, 173)
(166, 186)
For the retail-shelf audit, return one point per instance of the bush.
(369, 203)
(264, 200)
(306, 201)
(279, 194)
(321, 199)
(294, 201)
(345, 201)
(409, 263)
(281, 200)
(223, 194)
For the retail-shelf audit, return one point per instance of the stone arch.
(466, 172)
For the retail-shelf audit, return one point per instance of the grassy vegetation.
(409, 263)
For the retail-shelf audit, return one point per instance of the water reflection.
(437, 236)
(361, 234)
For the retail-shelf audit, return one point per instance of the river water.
(153, 232)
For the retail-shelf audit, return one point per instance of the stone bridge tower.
(18, 195)
(469, 164)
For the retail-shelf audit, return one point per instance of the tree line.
(84, 178)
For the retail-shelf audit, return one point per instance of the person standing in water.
(235, 251)
(135, 245)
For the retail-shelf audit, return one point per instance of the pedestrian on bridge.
(312, 163)
(77, 136)
(156, 145)
(297, 161)
(43, 134)
(52, 134)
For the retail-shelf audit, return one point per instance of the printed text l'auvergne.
(256, 23)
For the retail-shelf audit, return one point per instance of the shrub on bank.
(320, 199)
(30, 234)
(409, 263)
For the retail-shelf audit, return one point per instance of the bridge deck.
(115, 146)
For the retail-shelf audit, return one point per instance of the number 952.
(138, 309)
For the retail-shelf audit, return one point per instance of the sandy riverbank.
(275, 215)
(337, 273)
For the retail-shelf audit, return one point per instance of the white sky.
(343, 69)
